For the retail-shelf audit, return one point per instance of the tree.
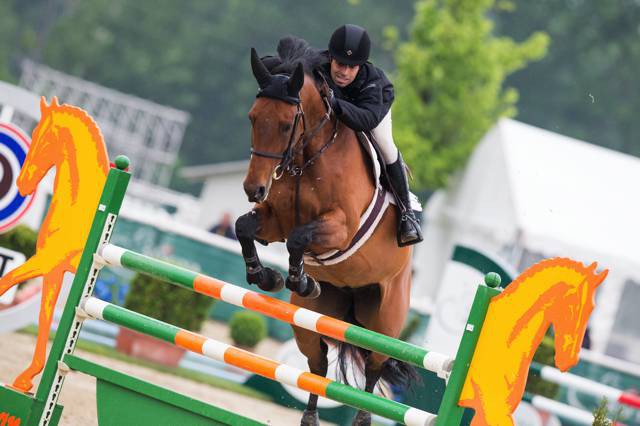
(8, 28)
(449, 86)
(587, 85)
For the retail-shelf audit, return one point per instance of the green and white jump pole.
(265, 367)
(452, 371)
(280, 310)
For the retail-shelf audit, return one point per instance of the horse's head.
(572, 315)
(40, 157)
(274, 116)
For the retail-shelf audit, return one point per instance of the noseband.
(296, 146)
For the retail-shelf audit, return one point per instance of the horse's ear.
(296, 81)
(54, 102)
(260, 72)
(43, 105)
(600, 277)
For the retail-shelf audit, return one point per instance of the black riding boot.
(408, 227)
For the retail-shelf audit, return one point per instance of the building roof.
(206, 171)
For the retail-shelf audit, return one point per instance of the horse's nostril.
(255, 193)
(260, 193)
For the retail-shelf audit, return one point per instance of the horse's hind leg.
(334, 303)
(372, 373)
(382, 308)
(266, 278)
(50, 290)
(318, 364)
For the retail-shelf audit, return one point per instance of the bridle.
(297, 146)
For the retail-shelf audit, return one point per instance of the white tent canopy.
(526, 188)
(572, 192)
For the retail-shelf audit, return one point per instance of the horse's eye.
(285, 127)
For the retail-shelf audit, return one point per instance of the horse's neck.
(81, 166)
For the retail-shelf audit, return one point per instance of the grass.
(184, 373)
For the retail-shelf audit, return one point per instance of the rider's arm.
(365, 112)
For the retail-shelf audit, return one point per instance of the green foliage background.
(450, 84)
(192, 55)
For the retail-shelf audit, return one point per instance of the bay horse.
(311, 182)
(558, 292)
(69, 140)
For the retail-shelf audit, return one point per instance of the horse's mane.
(293, 50)
(82, 115)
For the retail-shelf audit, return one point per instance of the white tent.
(527, 191)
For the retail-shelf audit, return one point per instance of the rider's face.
(342, 74)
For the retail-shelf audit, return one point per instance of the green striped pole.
(283, 311)
(265, 367)
(450, 413)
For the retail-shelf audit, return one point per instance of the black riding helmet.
(350, 44)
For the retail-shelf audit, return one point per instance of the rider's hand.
(328, 94)
(332, 100)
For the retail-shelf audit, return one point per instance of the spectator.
(586, 343)
(224, 227)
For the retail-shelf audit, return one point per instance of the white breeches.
(384, 139)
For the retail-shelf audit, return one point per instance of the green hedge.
(544, 355)
(167, 302)
(22, 239)
(247, 328)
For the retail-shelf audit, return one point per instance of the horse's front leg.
(247, 227)
(328, 232)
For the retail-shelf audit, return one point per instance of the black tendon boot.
(408, 227)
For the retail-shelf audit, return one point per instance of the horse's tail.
(397, 374)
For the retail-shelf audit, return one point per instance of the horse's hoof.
(310, 418)
(22, 384)
(255, 277)
(309, 287)
(363, 418)
(272, 281)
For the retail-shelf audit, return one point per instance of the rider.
(361, 98)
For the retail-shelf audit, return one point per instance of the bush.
(410, 327)
(600, 414)
(544, 355)
(22, 239)
(247, 328)
(167, 302)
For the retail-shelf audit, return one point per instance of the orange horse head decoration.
(67, 138)
(558, 292)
